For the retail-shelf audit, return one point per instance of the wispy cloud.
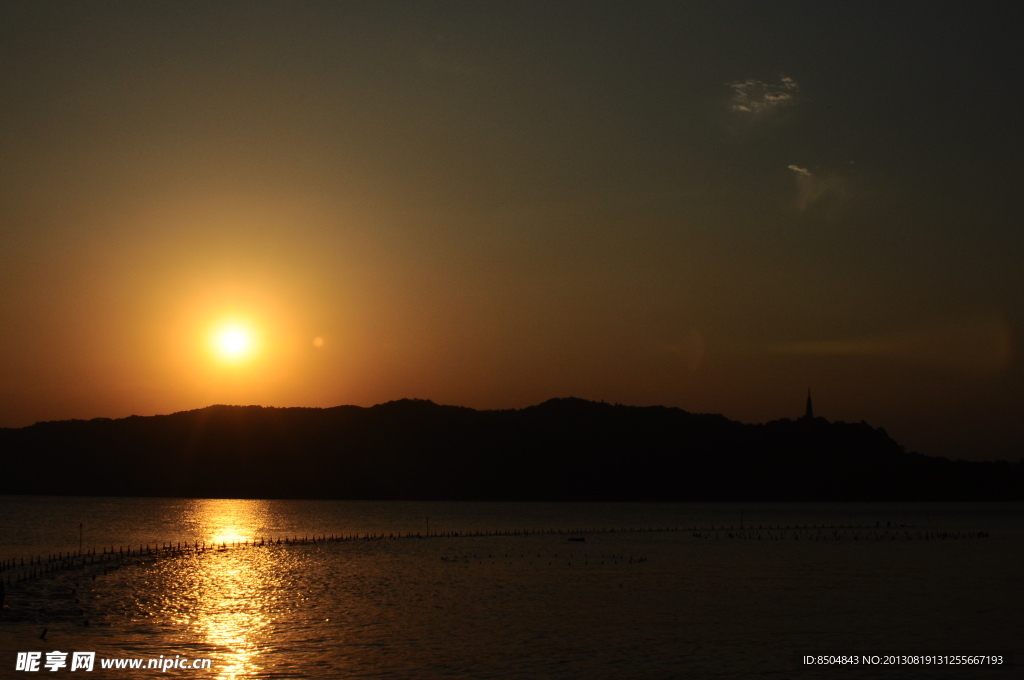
(812, 188)
(757, 98)
(981, 346)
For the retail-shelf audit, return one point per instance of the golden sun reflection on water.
(231, 620)
(230, 535)
(227, 520)
(233, 589)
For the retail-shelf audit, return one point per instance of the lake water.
(709, 600)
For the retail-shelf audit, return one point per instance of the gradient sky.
(707, 205)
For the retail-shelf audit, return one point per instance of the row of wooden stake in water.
(19, 569)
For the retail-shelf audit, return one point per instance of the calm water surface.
(655, 604)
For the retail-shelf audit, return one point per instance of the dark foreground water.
(731, 591)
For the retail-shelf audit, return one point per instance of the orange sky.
(706, 207)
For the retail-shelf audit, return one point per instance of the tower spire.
(810, 407)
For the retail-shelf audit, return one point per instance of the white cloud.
(756, 97)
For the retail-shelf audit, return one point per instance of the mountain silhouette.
(411, 449)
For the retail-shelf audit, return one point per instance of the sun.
(234, 342)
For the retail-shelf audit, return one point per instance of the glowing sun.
(234, 342)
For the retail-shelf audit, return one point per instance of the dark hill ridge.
(562, 449)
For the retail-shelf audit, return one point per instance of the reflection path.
(231, 596)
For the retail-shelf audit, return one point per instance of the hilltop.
(562, 449)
